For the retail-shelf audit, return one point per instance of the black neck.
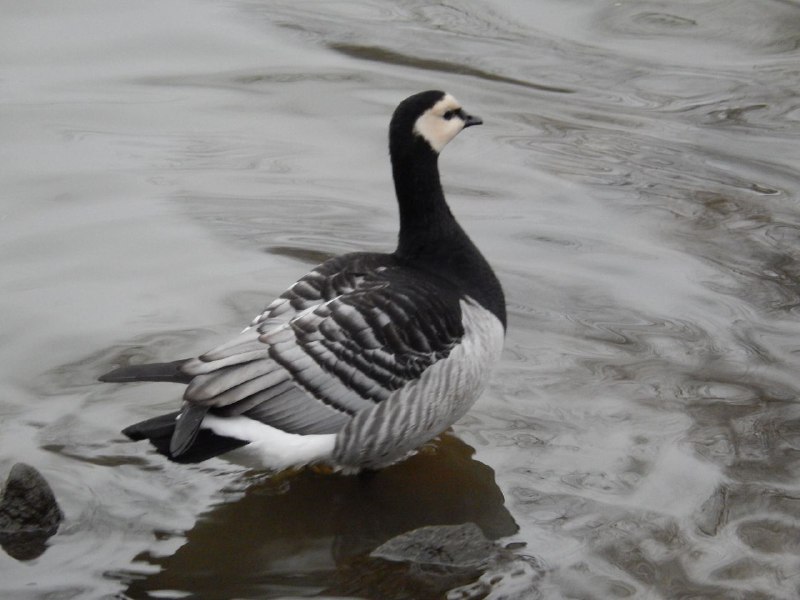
(425, 219)
(430, 238)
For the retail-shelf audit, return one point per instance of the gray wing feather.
(339, 341)
(281, 411)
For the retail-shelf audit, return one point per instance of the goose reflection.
(264, 543)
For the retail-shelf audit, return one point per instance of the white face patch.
(433, 126)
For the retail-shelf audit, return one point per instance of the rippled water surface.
(168, 167)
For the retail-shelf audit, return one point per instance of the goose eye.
(449, 114)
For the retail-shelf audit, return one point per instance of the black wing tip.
(180, 446)
(187, 427)
(159, 431)
(115, 376)
(165, 372)
(132, 432)
(160, 426)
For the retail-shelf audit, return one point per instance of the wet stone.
(29, 513)
(459, 558)
(457, 546)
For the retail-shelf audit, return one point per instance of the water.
(170, 167)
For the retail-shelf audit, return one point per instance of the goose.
(364, 359)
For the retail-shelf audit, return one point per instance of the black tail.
(178, 435)
(204, 444)
(168, 371)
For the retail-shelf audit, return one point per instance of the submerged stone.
(457, 546)
(29, 513)
(456, 562)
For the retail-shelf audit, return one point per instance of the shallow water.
(170, 167)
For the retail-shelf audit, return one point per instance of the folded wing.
(338, 342)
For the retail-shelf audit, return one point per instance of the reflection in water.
(296, 531)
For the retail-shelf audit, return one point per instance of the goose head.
(433, 118)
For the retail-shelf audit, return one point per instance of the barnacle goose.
(365, 358)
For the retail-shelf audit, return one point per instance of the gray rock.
(29, 513)
(441, 555)
(456, 546)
